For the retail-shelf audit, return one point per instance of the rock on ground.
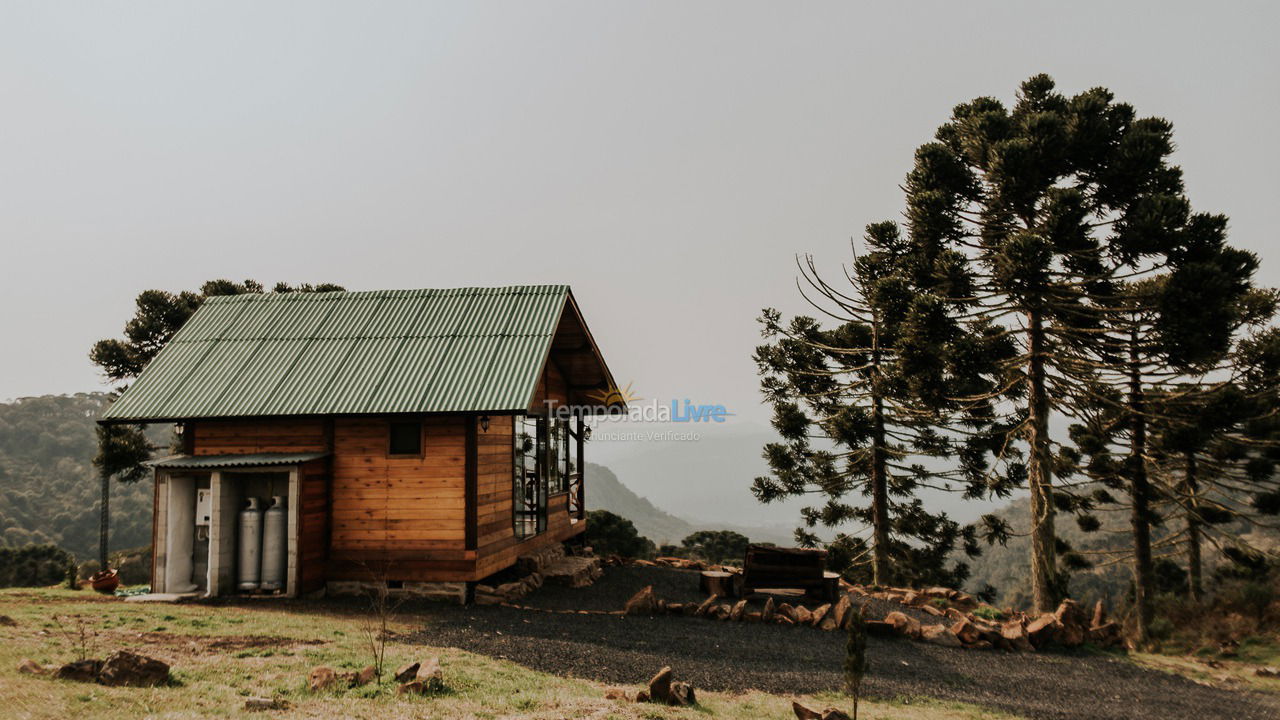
(132, 670)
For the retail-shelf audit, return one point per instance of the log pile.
(963, 621)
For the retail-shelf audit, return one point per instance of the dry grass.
(225, 653)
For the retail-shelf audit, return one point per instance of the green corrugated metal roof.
(391, 351)
(210, 462)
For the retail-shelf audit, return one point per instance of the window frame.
(422, 439)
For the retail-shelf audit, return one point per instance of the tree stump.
(717, 582)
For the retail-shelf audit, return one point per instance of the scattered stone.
(819, 613)
(723, 611)
(879, 628)
(124, 668)
(739, 608)
(766, 615)
(682, 694)
(1099, 615)
(80, 671)
(940, 635)
(1267, 672)
(804, 713)
(1014, 636)
(365, 676)
(642, 696)
(1043, 630)
(660, 685)
(7, 621)
(933, 610)
(903, 624)
(704, 608)
(786, 611)
(407, 672)
(27, 666)
(642, 603)
(616, 694)
(966, 632)
(259, 704)
(430, 674)
(801, 615)
(321, 678)
(834, 714)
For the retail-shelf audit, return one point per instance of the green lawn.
(222, 654)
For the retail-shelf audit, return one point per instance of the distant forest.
(49, 491)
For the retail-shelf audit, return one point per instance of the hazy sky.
(665, 159)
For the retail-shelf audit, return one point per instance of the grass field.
(224, 653)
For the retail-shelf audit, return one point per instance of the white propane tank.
(275, 543)
(250, 545)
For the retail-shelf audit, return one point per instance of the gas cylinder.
(275, 543)
(250, 568)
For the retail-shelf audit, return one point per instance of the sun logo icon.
(614, 395)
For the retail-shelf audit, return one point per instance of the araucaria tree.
(1057, 204)
(862, 411)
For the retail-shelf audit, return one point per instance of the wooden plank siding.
(366, 515)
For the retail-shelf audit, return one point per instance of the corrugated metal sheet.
(212, 462)
(392, 351)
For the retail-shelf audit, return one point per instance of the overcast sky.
(665, 159)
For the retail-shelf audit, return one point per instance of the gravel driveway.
(778, 659)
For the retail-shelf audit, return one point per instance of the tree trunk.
(879, 497)
(1044, 580)
(879, 471)
(1193, 527)
(1140, 494)
(104, 521)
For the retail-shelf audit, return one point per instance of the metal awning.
(215, 462)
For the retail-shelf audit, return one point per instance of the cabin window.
(529, 489)
(405, 438)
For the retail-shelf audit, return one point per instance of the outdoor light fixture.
(484, 423)
(586, 432)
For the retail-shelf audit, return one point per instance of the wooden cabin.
(425, 439)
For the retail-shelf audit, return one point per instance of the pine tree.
(1052, 203)
(861, 410)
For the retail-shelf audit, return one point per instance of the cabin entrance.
(548, 464)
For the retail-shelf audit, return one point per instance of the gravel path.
(741, 656)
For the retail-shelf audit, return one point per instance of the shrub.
(610, 534)
(33, 566)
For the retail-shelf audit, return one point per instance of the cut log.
(717, 582)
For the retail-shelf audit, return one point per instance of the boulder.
(617, 694)
(407, 672)
(940, 635)
(123, 668)
(932, 610)
(1043, 630)
(430, 674)
(939, 592)
(261, 704)
(739, 608)
(642, 603)
(660, 685)
(1267, 672)
(785, 610)
(903, 624)
(80, 671)
(321, 678)
(7, 621)
(766, 615)
(801, 615)
(642, 696)
(834, 714)
(722, 611)
(682, 694)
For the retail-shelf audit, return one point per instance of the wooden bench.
(768, 567)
